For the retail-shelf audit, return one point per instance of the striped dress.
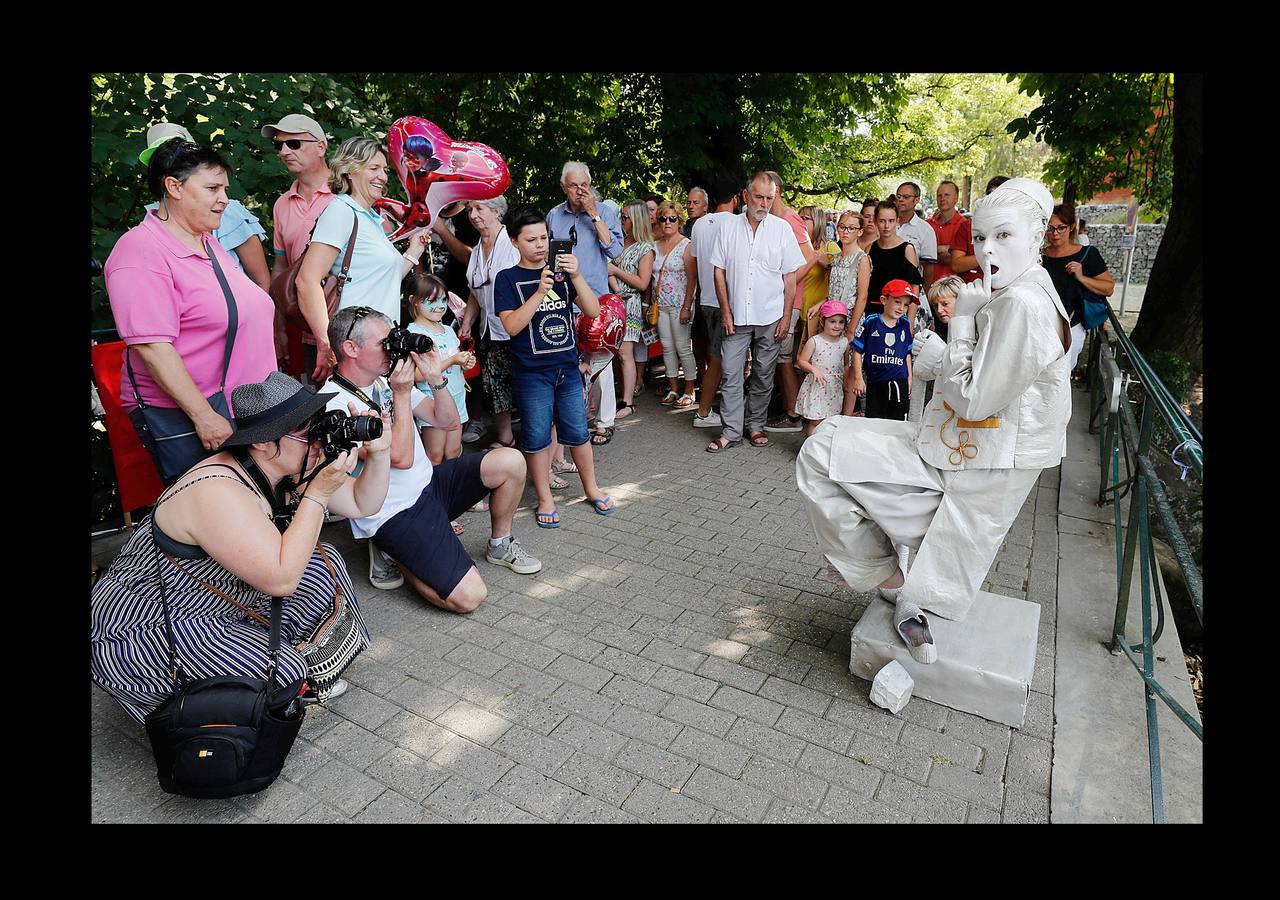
(129, 651)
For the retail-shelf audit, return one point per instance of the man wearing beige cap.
(301, 144)
(240, 233)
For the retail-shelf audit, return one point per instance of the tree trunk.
(1069, 194)
(1171, 318)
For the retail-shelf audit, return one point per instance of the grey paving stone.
(792, 694)
(1039, 719)
(536, 793)
(758, 709)
(650, 802)
(980, 815)
(766, 741)
(303, 761)
(1025, 807)
(531, 749)
(523, 626)
(590, 811)
(354, 745)
(472, 722)
(924, 713)
(728, 794)
(408, 774)
(731, 674)
(581, 673)
(657, 765)
(861, 716)
(782, 813)
(534, 655)
(628, 664)
(187, 811)
(376, 678)
(323, 814)
(890, 757)
(841, 805)
(597, 778)
(987, 790)
(344, 787)
(922, 803)
(534, 714)
(699, 715)
(454, 798)
(839, 769)
(414, 734)
(993, 738)
(477, 689)
(838, 682)
(633, 693)
(476, 659)
(428, 669)
(1030, 765)
(645, 726)
(575, 645)
(583, 702)
(775, 664)
(785, 781)
(710, 751)
(282, 802)
(528, 680)
(943, 749)
(472, 632)
(589, 737)
(683, 684)
(429, 641)
(424, 699)
(670, 655)
(724, 648)
(815, 730)
(390, 808)
(621, 638)
(472, 761)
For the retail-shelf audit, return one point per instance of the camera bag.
(168, 432)
(284, 289)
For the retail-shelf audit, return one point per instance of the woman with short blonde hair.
(675, 276)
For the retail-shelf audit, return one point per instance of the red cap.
(899, 288)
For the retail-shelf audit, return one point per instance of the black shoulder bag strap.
(233, 322)
(277, 613)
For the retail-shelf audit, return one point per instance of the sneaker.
(332, 692)
(472, 432)
(384, 573)
(784, 424)
(710, 420)
(510, 554)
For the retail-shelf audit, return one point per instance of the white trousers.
(677, 343)
(957, 523)
(1077, 344)
(607, 403)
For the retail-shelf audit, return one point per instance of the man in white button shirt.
(916, 230)
(755, 257)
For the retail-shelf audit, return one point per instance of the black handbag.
(168, 433)
(227, 735)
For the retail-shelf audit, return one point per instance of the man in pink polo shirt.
(301, 144)
(787, 380)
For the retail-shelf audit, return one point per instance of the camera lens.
(366, 428)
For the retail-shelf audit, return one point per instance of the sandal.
(498, 445)
(458, 527)
(758, 439)
(670, 398)
(626, 409)
(722, 443)
(684, 402)
(482, 506)
(603, 506)
(602, 437)
(547, 519)
(561, 468)
(558, 483)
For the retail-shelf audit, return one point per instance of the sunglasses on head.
(360, 313)
(294, 143)
(668, 218)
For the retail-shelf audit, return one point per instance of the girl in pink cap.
(823, 358)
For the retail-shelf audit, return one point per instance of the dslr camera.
(336, 431)
(400, 342)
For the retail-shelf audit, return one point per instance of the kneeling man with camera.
(377, 367)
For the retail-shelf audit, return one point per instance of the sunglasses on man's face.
(672, 219)
(293, 143)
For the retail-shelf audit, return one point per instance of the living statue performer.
(951, 484)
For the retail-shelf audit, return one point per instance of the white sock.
(495, 543)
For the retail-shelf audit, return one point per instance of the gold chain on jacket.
(965, 449)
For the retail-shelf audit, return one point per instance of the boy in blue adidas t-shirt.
(881, 350)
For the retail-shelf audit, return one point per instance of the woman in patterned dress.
(214, 529)
(629, 275)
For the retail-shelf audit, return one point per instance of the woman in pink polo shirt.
(169, 305)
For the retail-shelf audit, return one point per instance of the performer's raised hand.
(973, 296)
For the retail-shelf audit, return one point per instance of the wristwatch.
(444, 383)
(595, 219)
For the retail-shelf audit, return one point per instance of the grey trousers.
(764, 358)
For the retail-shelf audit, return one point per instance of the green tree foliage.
(1109, 130)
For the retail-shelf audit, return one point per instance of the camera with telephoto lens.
(336, 431)
(400, 342)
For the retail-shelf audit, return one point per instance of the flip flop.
(547, 519)
(670, 398)
(604, 506)
(684, 402)
(758, 439)
(721, 444)
(458, 527)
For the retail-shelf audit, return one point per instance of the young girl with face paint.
(430, 299)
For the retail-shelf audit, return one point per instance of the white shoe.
(904, 611)
(513, 556)
(710, 420)
(384, 573)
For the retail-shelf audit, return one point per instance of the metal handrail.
(1121, 435)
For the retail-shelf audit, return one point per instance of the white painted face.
(1006, 242)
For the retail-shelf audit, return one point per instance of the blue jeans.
(544, 395)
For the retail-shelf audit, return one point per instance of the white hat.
(1033, 189)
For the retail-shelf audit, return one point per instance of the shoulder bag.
(168, 432)
(284, 288)
(1095, 307)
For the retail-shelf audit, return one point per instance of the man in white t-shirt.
(755, 257)
(916, 230)
(413, 525)
(701, 242)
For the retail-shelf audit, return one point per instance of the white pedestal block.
(985, 663)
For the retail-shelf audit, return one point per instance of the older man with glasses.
(916, 230)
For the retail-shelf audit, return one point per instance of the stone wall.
(1108, 240)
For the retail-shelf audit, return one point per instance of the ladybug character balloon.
(437, 172)
(600, 338)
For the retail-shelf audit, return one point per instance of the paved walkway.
(681, 661)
